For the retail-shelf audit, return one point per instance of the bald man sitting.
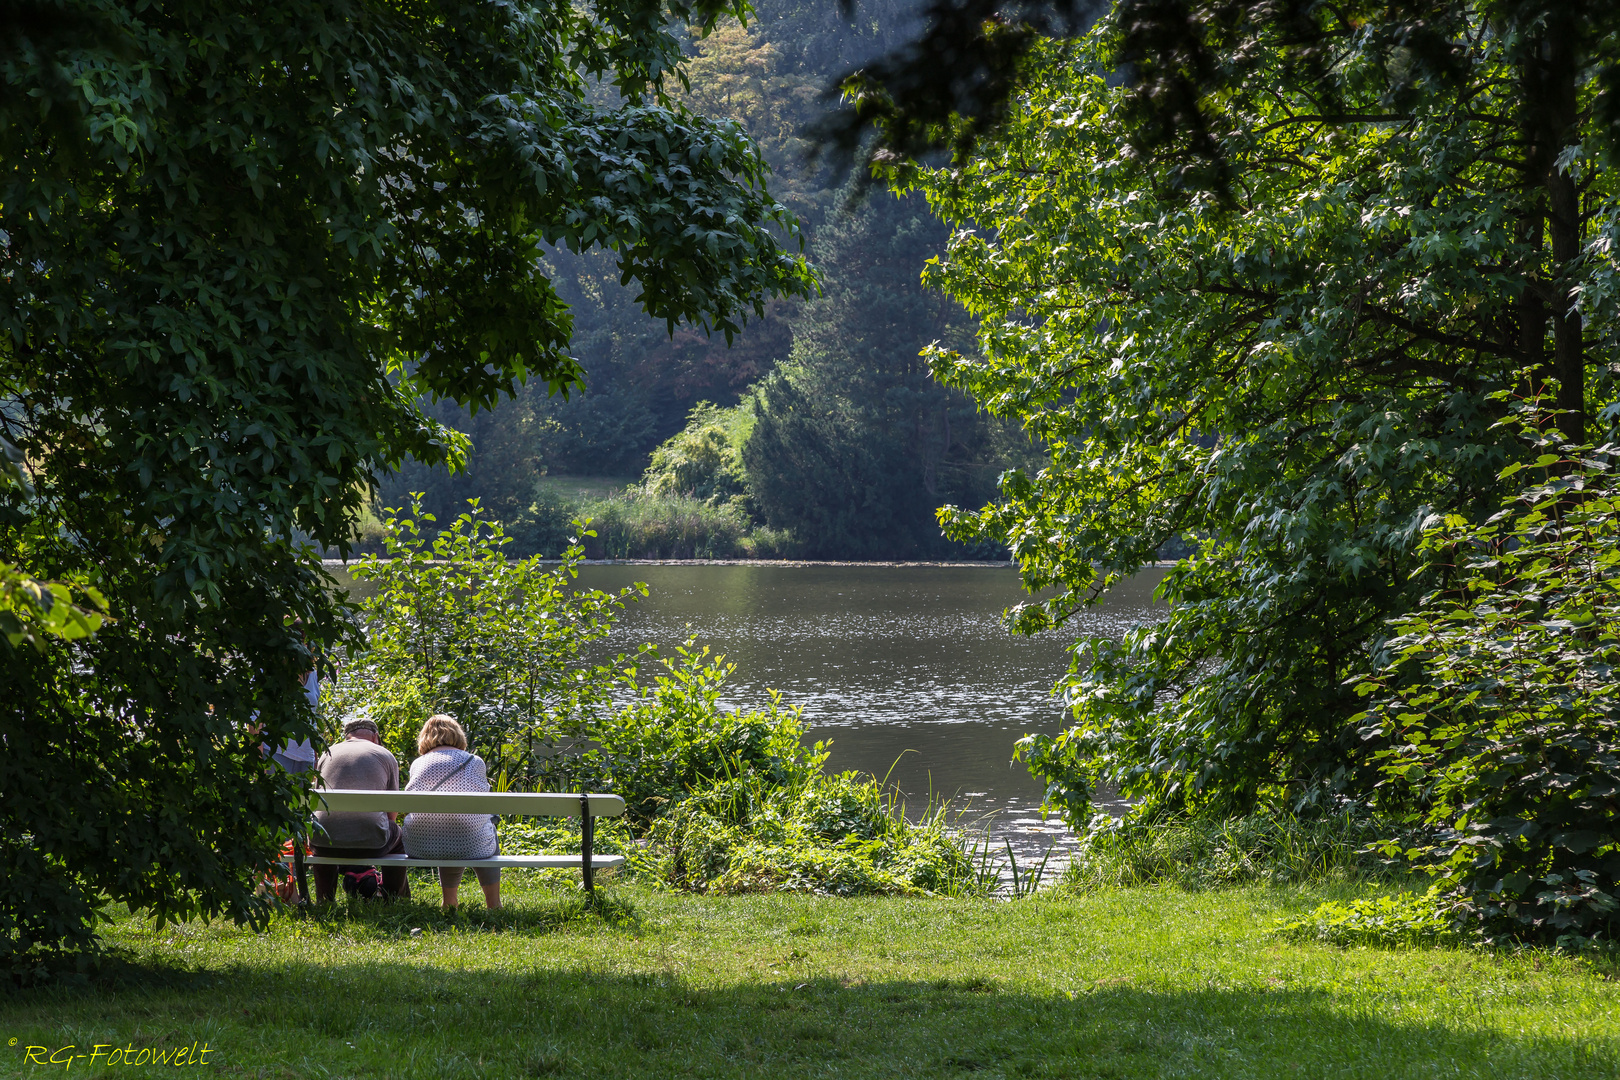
(360, 763)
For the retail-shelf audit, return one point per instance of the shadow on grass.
(542, 912)
(539, 912)
(400, 1016)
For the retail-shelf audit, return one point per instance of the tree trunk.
(1550, 125)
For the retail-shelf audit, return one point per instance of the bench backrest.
(530, 804)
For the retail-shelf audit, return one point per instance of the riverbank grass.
(1122, 983)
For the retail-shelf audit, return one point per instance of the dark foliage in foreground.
(281, 227)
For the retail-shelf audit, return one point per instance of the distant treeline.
(819, 431)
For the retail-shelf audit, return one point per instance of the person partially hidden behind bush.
(446, 765)
(358, 763)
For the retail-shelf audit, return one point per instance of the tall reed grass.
(1199, 853)
(635, 525)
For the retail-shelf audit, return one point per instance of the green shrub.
(840, 835)
(1401, 919)
(505, 646)
(1199, 853)
(561, 836)
(547, 527)
(1498, 706)
(704, 460)
(673, 738)
(727, 801)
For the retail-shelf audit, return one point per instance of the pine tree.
(855, 445)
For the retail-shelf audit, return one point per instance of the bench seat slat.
(536, 803)
(533, 862)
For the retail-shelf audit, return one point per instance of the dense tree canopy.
(859, 445)
(855, 445)
(641, 381)
(1294, 366)
(281, 227)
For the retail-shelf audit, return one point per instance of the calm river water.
(907, 669)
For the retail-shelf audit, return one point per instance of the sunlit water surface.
(908, 670)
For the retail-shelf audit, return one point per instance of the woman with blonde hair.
(446, 765)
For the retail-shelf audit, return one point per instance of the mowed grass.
(1129, 983)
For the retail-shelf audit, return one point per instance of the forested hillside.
(817, 431)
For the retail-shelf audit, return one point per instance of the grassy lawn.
(1136, 983)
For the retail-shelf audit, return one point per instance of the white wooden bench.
(536, 804)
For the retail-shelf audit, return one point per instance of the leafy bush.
(547, 527)
(746, 835)
(501, 645)
(1500, 704)
(1401, 919)
(1200, 853)
(725, 801)
(554, 836)
(673, 738)
(833, 834)
(704, 460)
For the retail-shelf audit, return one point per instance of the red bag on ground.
(365, 884)
(280, 880)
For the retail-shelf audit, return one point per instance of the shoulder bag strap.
(445, 779)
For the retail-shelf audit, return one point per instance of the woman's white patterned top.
(448, 836)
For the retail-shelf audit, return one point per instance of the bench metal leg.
(586, 830)
(298, 869)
